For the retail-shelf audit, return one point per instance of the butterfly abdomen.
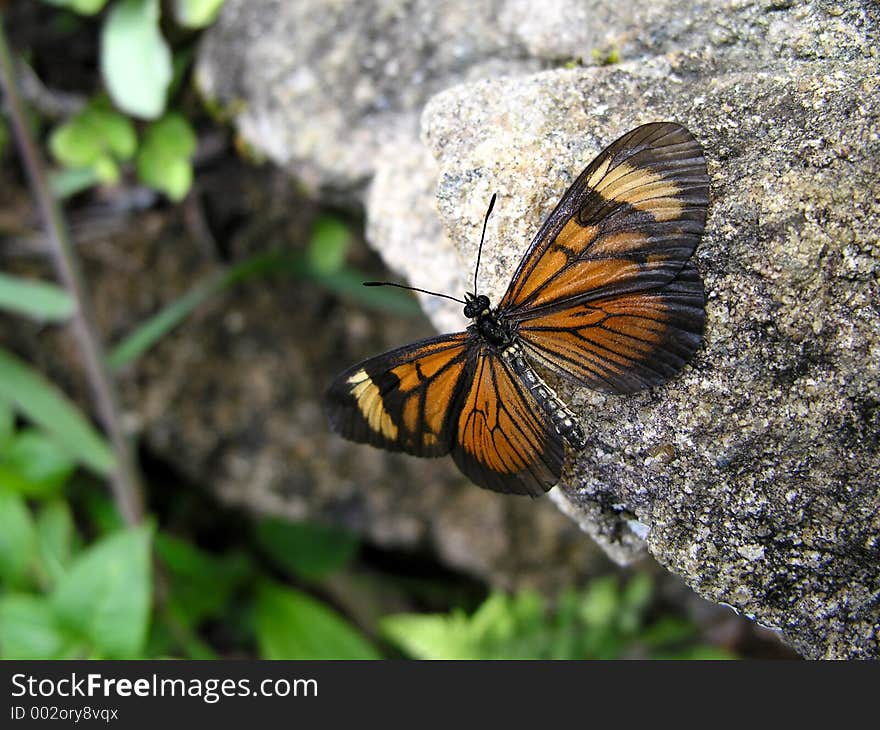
(564, 421)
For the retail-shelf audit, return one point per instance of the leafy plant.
(306, 549)
(96, 140)
(141, 73)
(47, 407)
(163, 160)
(604, 621)
(292, 625)
(38, 300)
(95, 602)
(135, 59)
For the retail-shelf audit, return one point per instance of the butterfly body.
(605, 296)
(492, 327)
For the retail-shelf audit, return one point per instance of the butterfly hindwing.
(623, 343)
(628, 223)
(504, 440)
(404, 400)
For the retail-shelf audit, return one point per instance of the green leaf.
(39, 300)
(96, 135)
(105, 595)
(196, 13)
(42, 403)
(329, 245)
(18, 539)
(634, 599)
(306, 549)
(293, 625)
(70, 181)
(135, 59)
(83, 7)
(201, 583)
(163, 160)
(430, 636)
(29, 629)
(7, 423)
(174, 177)
(171, 136)
(503, 627)
(601, 602)
(34, 465)
(56, 539)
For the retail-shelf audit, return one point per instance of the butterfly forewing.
(628, 223)
(403, 400)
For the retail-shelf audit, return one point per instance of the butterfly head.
(475, 305)
(489, 324)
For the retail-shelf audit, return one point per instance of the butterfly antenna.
(483, 238)
(413, 288)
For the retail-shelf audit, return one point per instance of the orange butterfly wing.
(406, 399)
(505, 441)
(605, 293)
(628, 223)
(450, 394)
(622, 343)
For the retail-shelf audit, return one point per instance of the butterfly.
(605, 296)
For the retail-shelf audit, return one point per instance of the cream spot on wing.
(597, 176)
(369, 402)
(641, 188)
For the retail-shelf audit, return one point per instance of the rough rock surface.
(753, 474)
(322, 87)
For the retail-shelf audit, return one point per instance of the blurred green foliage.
(74, 583)
(142, 73)
(135, 59)
(163, 160)
(97, 139)
(83, 7)
(36, 399)
(38, 300)
(307, 550)
(604, 621)
(292, 624)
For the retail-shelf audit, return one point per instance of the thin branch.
(125, 480)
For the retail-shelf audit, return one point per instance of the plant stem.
(125, 480)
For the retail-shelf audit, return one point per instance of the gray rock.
(752, 474)
(321, 87)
